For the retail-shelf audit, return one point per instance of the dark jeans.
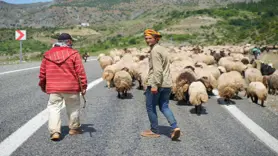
(255, 55)
(162, 99)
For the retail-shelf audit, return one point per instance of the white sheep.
(197, 95)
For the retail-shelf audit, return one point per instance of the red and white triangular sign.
(20, 34)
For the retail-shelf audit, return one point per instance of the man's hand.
(154, 90)
(83, 92)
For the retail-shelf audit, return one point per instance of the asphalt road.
(112, 126)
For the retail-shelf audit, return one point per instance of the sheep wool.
(123, 82)
(105, 61)
(197, 93)
(257, 91)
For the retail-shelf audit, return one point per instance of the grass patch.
(270, 58)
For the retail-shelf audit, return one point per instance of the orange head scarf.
(151, 32)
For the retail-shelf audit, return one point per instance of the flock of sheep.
(195, 72)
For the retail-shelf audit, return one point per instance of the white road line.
(259, 132)
(19, 70)
(13, 71)
(16, 139)
(91, 60)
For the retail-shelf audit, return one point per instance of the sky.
(24, 1)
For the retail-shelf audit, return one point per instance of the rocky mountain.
(63, 13)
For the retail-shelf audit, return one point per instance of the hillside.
(72, 12)
(237, 23)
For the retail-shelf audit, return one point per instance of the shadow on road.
(203, 111)
(86, 128)
(129, 96)
(222, 101)
(183, 103)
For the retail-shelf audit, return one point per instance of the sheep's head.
(266, 69)
(212, 52)
(142, 57)
(222, 54)
(245, 61)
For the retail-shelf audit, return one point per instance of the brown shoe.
(150, 134)
(55, 136)
(176, 134)
(75, 131)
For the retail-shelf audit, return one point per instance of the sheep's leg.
(256, 99)
(196, 109)
(108, 84)
(125, 93)
(119, 95)
(252, 99)
(200, 109)
(140, 85)
(269, 90)
(262, 103)
(186, 97)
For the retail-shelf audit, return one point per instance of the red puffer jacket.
(60, 69)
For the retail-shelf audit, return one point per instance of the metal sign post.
(20, 35)
(20, 54)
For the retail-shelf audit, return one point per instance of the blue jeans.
(162, 99)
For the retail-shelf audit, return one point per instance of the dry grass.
(271, 58)
(79, 32)
(190, 25)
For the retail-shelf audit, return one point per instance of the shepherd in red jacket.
(60, 71)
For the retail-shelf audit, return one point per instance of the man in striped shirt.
(60, 72)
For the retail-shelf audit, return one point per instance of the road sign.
(20, 35)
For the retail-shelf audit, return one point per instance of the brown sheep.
(273, 83)
(207, 74)
(253, 75)
(257, 90)
(229, 84)
(108, 74)
(123, 82)
(184, 79)
(105, 61)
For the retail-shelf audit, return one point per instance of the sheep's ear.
(190, 67)
(126, 69)
(205, 77)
